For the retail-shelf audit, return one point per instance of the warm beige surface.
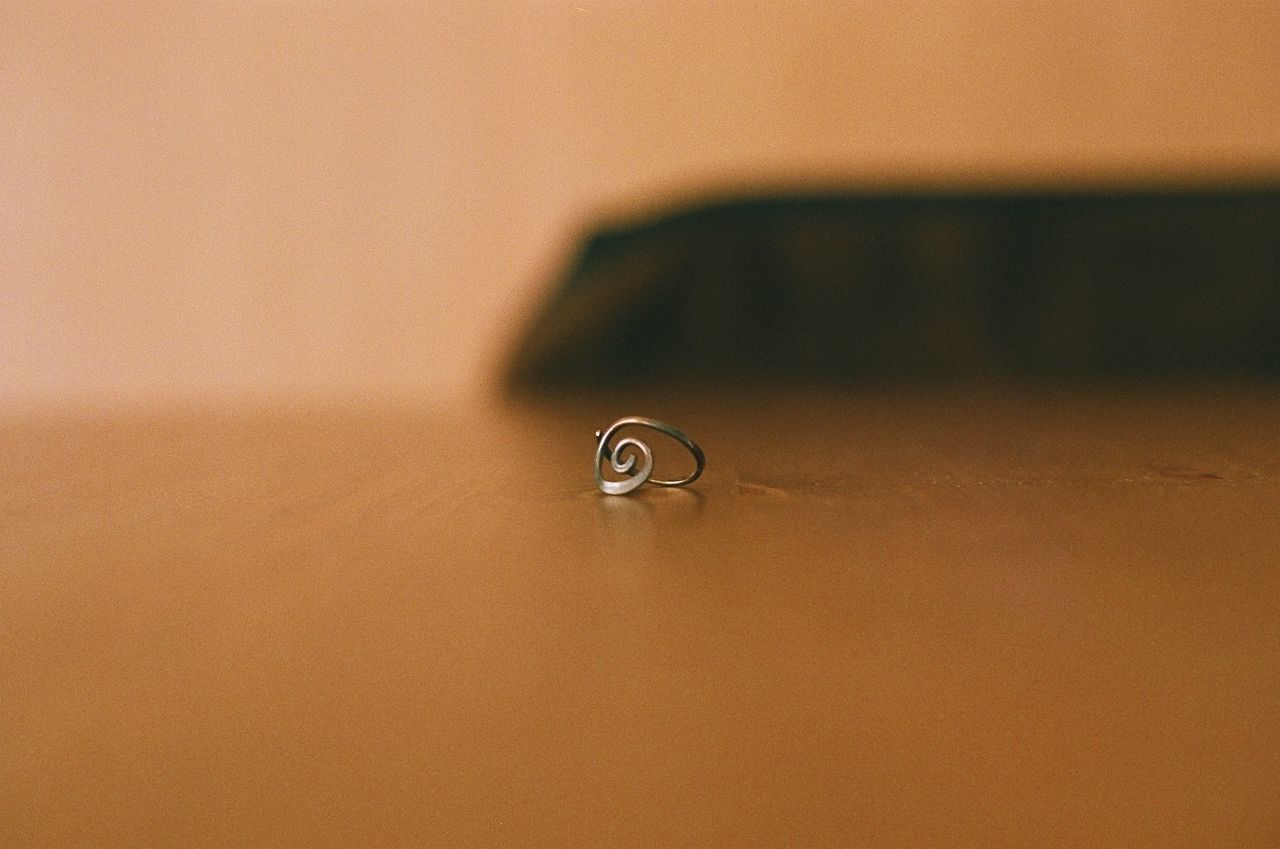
(1044, 620)
(281, 198)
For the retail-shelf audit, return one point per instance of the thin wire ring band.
(622, 456)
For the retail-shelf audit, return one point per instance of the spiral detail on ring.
(623, 460)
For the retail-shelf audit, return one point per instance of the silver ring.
(630, 447)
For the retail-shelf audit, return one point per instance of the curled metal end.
(623, 455)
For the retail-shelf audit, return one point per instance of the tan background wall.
(289, 199)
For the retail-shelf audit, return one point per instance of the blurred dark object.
(886, 287)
